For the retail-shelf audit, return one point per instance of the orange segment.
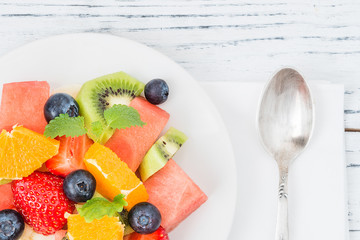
(107, 228)
(22, 151)
(113, 176)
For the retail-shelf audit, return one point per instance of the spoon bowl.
(285, 124)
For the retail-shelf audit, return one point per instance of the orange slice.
(107, 228)
(113, 176)
(22, 151)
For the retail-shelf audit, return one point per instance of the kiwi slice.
(123, 216)
(101, 93)
(160, 153)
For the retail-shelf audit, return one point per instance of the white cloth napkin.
(317, 180)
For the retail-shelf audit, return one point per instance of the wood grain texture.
(353, 176)
(229, 40)
(352, 107)
(226, 40)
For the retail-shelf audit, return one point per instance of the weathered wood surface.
(229, 40)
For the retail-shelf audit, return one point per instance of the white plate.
(207, 156)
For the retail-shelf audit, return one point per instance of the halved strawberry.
(41, 200)
(159, 234)
(70, 156)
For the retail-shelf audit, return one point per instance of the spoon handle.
(282, 232)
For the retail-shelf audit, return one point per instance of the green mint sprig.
(63, 125)
(122, 116)
(117, 117)
(97, 208)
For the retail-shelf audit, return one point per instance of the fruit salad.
(91, 165)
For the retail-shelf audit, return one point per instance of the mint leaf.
(96, 129)
(97, 208)
(119, 201)
(122, 116)
(65, 125)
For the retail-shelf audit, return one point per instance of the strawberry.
(70, 156)
(159, 234)
(40, 199)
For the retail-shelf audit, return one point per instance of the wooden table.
(229, 40)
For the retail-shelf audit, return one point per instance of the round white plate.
(207, 156)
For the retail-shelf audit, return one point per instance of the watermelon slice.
(131, 144)
(22, 103)
(7, 197)
(173, 192)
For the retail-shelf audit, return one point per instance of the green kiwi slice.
(162, 150)
(99, 94)
(123, 216)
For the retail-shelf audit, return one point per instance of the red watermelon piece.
(22, 103)
(7, 197)
(174, 193)
(131, 144)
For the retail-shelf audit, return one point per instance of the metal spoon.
(285, 123)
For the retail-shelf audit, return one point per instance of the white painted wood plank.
(352, 106)
(227, 40)
(352, 148)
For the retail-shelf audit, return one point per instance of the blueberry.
(144, 218)
(156, 91)
(79, 186)
(11, 225)
(60, 103)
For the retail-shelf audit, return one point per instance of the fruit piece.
(159, 234)
(11, 225)
(131, 144)
(7, 198)
(156, 91)
(107, 228)
(22, 151)
(30, 234)
(22, 103)
(124, 218)
(5, 181)
(102, 93)
(60, 103)
(71, 155)
(41, 201)
(113, 176)
(173, 192)
(60, 235)
(79, 186)
(71, 89)
(160, 153)
(144, 218)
